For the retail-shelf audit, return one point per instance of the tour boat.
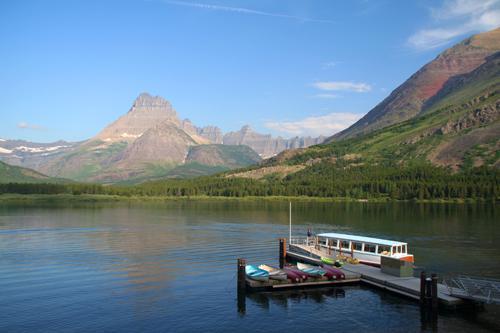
(274, 273)
(255, 273)
(311, 270)
(366, 250)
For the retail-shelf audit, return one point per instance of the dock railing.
(479, 289)
(308, 241)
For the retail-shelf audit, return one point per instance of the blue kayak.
(255, 273)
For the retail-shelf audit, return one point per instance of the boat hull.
(274, 273)
(255, 273)
(336, 273)
(295, 271)
(313, 271)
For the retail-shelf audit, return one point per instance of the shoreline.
(118, 198)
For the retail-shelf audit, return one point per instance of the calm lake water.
(171, 267)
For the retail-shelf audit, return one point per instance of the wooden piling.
(422, 287)
(282, 252)
(428, 290)
(434, 292)
(241, 275)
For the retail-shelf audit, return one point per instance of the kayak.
(255, 273)
(311, 270)
(328, 261)
(294, 273)
(274, 273)
(335, 273)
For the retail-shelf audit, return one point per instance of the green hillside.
(15, 174)
(460, 129)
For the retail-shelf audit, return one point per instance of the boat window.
(370, 248)
(384, 249)
(345, 244)
(322, 241)
(333, 242)
(404, 248)
(357, 246)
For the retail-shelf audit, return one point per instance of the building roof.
(361, 239)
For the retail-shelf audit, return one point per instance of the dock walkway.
(406, 286)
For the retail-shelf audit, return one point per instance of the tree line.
(422, 182)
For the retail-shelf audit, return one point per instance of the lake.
(171, 266)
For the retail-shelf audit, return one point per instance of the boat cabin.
(366, 249)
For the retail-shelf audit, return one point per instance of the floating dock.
(270, 285)
(405, 286)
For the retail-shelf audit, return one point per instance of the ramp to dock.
(475, 289)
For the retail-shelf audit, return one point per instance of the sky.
(300, 67)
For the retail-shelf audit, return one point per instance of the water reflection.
(171, 265)
(284, 298)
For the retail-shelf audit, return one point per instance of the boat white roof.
(361, 239)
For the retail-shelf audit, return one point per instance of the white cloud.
(25, 125)
(315, 126)
(342, 86)
(456, 18)
(330, 96)
(330, 64)
(241, 10)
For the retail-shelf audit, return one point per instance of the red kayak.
(295, 273)
(333, 273)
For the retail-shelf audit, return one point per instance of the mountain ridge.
(150, 139)
(408, 99)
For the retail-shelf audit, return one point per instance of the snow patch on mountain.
(5, 151)
(38, 149)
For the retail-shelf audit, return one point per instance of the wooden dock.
(271, 285)
(405, 286)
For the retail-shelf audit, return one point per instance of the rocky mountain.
(413, 97)
(30, 154)
(264, 144)
(458, 128)
(146, 112)
(150, 141)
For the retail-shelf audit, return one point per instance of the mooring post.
(282, 252)
(242, 286)
(434, 292)
(428, 291)
(422, 287)
(241, 275)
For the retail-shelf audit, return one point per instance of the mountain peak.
(246, 128)
(146, 112)
(147, 100)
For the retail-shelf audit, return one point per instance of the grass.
(89, 198)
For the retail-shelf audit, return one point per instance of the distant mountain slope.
(223, 155)
(266, 145)
(460, 129)
(30, 154)
(15, 174)
(149, 141)
(410, 98)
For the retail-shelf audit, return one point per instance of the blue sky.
(68, 68)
